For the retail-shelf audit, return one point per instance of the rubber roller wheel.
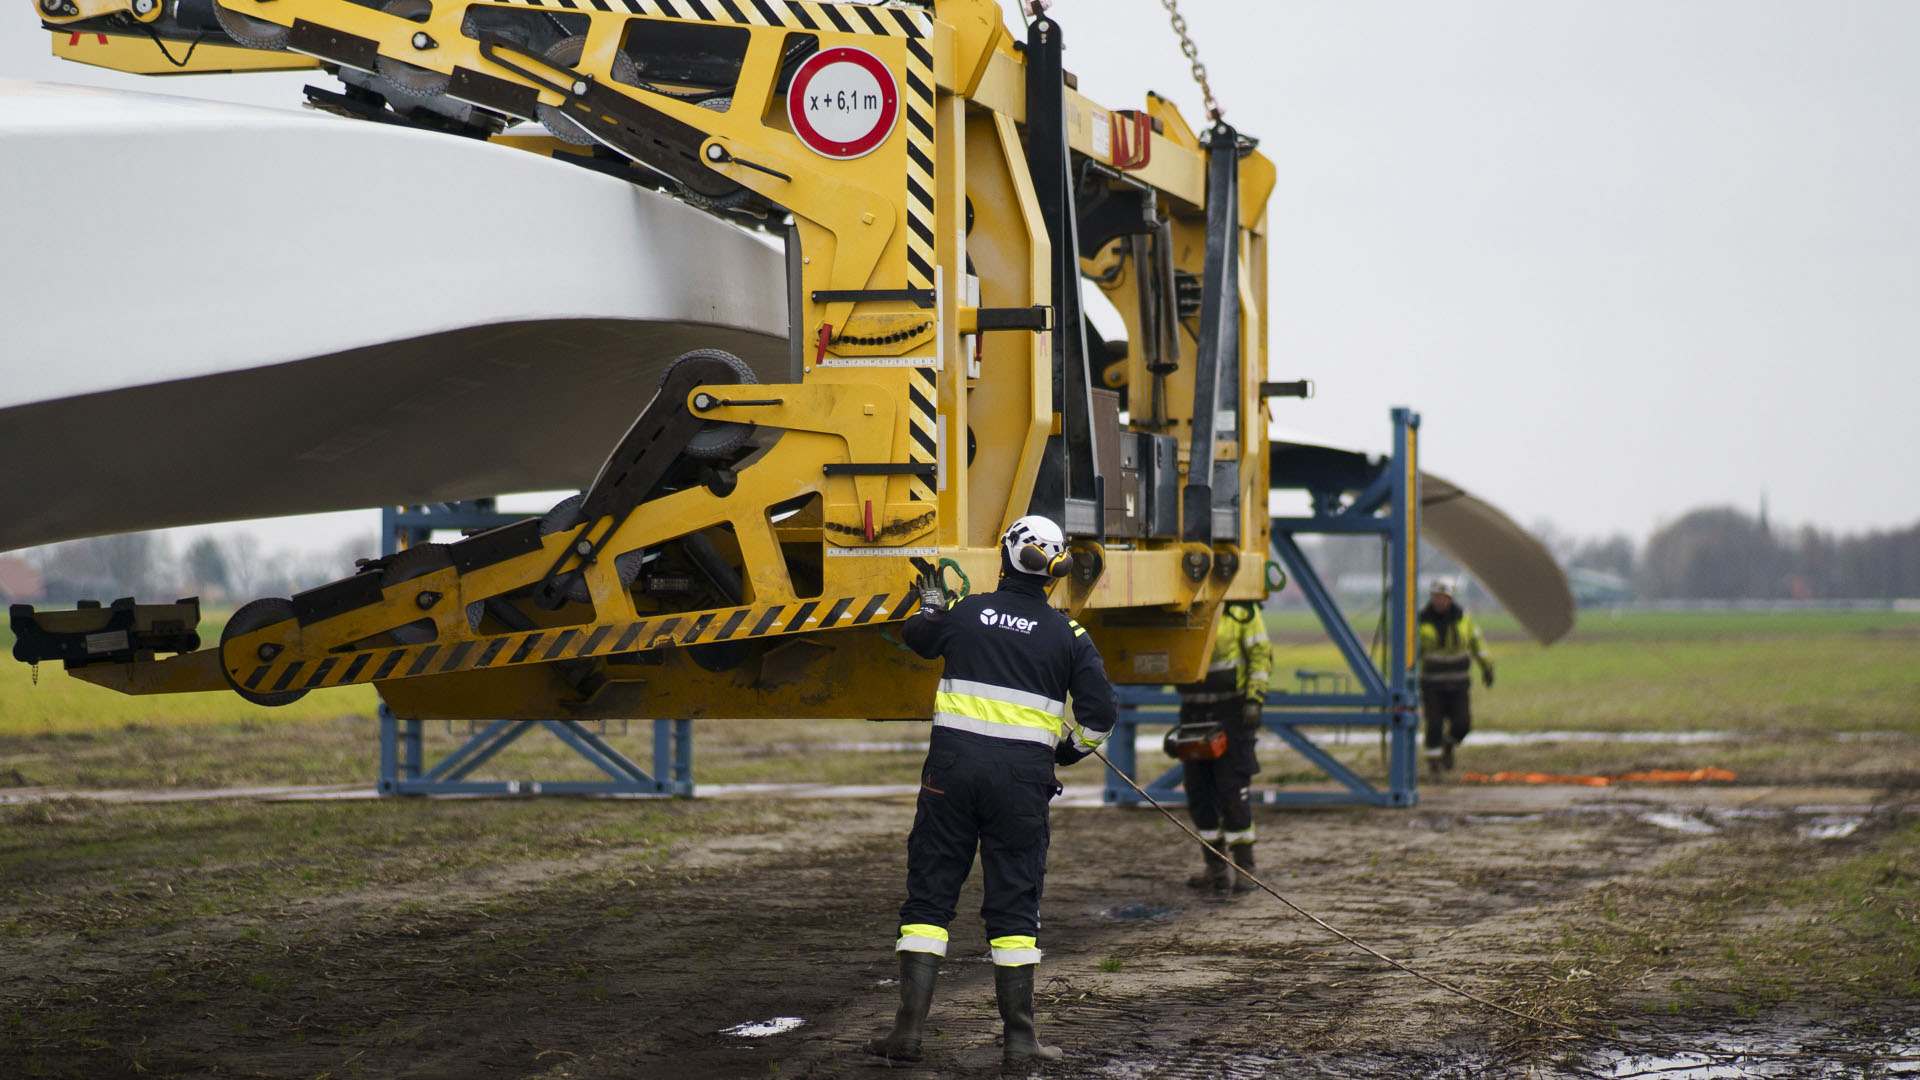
(410, 80)
(404, 566)
(732, 199)
(566, 515)
(566, 53)
(721, 438)
(251, 32)
(251, 617)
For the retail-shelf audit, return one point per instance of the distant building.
(19, 582)
(1598, 588)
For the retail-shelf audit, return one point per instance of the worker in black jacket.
(998, 730)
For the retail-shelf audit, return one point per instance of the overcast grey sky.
(1626, 258)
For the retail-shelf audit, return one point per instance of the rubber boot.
(1446, 756)
(1243, 858)
(1014, 987)
(917, 971)
(1433, 763)
(1214, 877)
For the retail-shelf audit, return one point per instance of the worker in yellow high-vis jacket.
(1449, 647)
(1219, 791)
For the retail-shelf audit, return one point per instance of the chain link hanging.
(1214, 111)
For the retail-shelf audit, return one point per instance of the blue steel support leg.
(1405, 555)
(1403, 763)
(682, 759)
(412, 750)
(663, 750)
(389, 751)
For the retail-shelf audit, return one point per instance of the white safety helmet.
(1441, 586)
(1035, 545)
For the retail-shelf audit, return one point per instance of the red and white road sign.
(843, 103)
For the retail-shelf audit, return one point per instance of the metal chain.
(1214, 111)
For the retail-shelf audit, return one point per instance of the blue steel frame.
(1386, 506)
(403, 770)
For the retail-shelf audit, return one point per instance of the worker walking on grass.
(998, 730)
(1449, 647)
(1218, 790)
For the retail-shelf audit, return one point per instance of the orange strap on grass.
(1643, 776)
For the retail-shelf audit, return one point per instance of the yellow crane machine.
(747, 548)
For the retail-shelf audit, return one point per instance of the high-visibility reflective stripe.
(999, 711)
(1224, 665)
(1212, 836)
(1258, 639)
(922, 937)
(998, 731)
(1086, 740)
(1003, 693)
(1078, 630)
(1015, 950)
(1244, 836)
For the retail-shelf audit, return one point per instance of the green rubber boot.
(917, 972)
(1014, 987)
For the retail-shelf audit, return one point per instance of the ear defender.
(1035, 561)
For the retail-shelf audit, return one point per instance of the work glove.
(1250, 714)
(933, 592)
(1486, 676)
(1066, 753)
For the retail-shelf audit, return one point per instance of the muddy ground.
(1613, 910)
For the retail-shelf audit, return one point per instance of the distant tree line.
(1714, 553)
(149, 567)
(1721, 553)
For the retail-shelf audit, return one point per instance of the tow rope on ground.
(1638, 1046)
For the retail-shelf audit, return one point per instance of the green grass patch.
(1748, 924)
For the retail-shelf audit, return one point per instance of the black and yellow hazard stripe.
(917, 102)
(797, 14)
(923, 430)
(579, 642)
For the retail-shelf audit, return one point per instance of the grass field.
(1811, 695)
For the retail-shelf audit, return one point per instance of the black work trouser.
(1449, 712)
(1218, 791)
(978, 792)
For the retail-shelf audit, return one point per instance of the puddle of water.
(1679, 823)
(1138, 912)
(1788, 1051)
(1681, 1067)
(760, 1029)
(1831, 828)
